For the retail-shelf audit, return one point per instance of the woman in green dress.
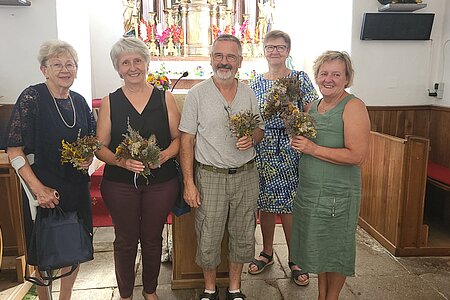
(326, 207)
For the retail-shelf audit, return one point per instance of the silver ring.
(56, 194)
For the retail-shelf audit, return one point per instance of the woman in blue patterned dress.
(276, 161)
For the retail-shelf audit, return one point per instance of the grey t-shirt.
(205, 115)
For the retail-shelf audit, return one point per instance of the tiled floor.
(379, 275)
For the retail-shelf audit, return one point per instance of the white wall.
(23, 29)
(106, 29)
(314, 27)
(397, 72)
(445, 65)
(73, 27)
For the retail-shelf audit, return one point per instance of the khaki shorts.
(228, 200)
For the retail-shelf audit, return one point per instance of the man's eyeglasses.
(220, 56)
(58, 67)
(279, 48)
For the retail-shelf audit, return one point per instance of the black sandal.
(295, 274)
(260, 264)
(236, 295)
(209, 296)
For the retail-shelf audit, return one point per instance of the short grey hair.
(275, 34)
(52, 48)
(230, 38)
(128, 45)
(331, 55)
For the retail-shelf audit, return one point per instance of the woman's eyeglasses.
(279, 48)
(58, 67)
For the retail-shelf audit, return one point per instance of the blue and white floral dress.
(276, 161)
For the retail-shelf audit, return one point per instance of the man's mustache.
(223, 66)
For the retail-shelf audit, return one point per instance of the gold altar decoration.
(189, 27)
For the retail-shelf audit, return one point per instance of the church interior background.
(182, 31)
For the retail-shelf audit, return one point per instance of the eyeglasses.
(229, 57)
(279, 48)
(58, 67)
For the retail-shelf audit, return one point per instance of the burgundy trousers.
(139, 215)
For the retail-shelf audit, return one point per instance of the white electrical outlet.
(440, 90)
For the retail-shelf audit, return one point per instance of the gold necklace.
(59, 112)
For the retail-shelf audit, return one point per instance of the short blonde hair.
(52, 48)
(274, 34)
(331, 55)
(128, 45)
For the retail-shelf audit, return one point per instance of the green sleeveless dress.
(326, 207)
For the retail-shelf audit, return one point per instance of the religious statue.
(266, 8)
(131, 17)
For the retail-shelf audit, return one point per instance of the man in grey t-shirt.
(226, 185)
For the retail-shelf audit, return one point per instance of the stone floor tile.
(291, 291)
(371, 261)
(398, 287)
(440, 281)
(90, 294)
(260, 289)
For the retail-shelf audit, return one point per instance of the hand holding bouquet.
(298, 122)
(136, 147)
(280, 103)
(243, 123)
(79, 151)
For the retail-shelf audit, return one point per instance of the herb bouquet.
(280, 103)
(243, 123)
(138, 148)
(80, 150)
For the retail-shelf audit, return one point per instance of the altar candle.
(169, 4)
(150, 5)
(247, 6)
(230, 4)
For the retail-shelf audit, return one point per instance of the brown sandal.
(295, 274)
(261, 264)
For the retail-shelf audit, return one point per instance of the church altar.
(199, 67)
(187, 28)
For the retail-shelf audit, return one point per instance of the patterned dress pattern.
(276, 161)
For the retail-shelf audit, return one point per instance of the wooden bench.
(438, 176)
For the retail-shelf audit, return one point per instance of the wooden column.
(11, 218)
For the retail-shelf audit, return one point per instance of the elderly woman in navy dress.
(45, 114)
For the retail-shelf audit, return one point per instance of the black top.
(36, 125)
(152, 120)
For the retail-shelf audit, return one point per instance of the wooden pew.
(393, 194)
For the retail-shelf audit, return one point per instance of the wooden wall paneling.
(422, 122)
(414, 233)
(440, 137)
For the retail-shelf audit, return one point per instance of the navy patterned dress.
(276, 161)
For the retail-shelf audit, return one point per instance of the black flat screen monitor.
(397, 26)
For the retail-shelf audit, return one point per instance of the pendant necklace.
(59, 112)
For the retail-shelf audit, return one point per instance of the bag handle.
(46, 280)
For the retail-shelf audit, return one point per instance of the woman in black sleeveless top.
(139, 208)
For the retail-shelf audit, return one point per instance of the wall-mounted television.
(397, 26)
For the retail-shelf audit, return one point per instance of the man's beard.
(223, 73)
